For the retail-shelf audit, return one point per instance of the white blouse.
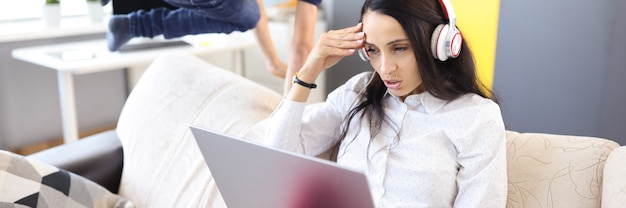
(433, 154)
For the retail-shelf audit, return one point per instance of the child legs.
(193, 17)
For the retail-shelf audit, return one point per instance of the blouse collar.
(431, 103)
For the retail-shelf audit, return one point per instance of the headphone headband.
(449, 10)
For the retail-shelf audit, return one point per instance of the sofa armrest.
(98, 158)
(614, 183)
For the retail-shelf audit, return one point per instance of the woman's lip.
(393, 84)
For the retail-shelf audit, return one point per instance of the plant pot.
(51, 14)
(95, 11)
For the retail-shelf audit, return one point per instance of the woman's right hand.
(332, 46)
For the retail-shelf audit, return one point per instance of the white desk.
(103, 60)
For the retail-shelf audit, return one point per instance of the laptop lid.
(248, 174)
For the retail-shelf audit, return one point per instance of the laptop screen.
(248, 174)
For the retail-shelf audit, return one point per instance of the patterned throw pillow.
(26, 182)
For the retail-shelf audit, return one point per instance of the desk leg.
(68, 106)
(238, 60)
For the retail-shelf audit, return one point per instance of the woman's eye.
(400, 49)
(371, 51)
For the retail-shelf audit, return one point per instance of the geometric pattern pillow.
(26, 182)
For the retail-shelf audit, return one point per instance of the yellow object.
(478, 22)
(205, 43)
(288, 4)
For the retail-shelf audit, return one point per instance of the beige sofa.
(163, 167)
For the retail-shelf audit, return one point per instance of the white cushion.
(163, 166)
(614, 184)
(547, 170)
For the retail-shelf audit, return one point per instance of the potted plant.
(51, 13)
(95, 11)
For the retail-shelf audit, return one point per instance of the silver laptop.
(248, 174)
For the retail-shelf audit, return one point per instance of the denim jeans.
(195, 17)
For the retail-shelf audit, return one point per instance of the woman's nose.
(387, 64)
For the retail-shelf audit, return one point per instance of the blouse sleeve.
(482, 176)
(312, 129)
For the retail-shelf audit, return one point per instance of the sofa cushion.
(163, 166)
(613, 184)
(546, 170)
(26, 182)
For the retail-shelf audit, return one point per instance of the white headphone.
(446, 39)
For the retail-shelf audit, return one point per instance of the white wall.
(29, 103)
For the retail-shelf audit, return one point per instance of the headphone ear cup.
(455, 44)
(438, 42)
(363, 54)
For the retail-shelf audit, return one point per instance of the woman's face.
(391, 54)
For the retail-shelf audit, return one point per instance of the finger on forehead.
(356, 28)
(345, 36)
(342, 44)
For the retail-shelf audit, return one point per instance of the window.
(31, 9)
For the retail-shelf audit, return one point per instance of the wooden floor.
(55, 142)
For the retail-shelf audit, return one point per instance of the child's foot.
(119, 32)
(277, 69)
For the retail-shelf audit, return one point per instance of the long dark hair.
(446, 80)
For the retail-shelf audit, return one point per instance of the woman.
(423, 130)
